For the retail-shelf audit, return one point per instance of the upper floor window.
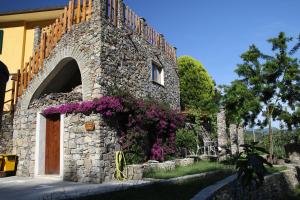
(1, 41)
(157, 74)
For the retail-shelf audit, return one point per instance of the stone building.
(114, 47)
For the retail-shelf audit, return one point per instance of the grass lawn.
(157, 191)
(199, 167)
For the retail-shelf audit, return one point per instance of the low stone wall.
(293, 152)
(6, 134)
(276, 186)
(135, 172)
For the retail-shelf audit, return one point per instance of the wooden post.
(78, 11)
(29, 71)
(18, 85)
(126, 16)
(111, 9)
(12, 103)
(143, 24)
(42, 50)
(65, 20)
(59, 29)
(22, 80)
(90, 9)
(36, 61)
(47, 45)
(55, 31)
(175, 54)
(25, 77)
(70, 16)
(116, 13)
(83, 11)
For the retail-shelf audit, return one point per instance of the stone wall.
(24, 129)
(89, 155)
(6, 134)
(126, 61)
(276, 186)
(135, 172)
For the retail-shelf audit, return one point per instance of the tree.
(275, 80)
(241, 105)
(197, 89)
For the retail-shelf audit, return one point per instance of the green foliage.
(240, 103)
(197, 88)
(280, 139)
(250, 165)
(275, 80)
(186, 139)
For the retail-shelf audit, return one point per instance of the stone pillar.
(37, 37)
(99, 10)
(221, 129)
(241, 140)
(233, 138)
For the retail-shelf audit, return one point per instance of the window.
(157, 74)
(1, 40)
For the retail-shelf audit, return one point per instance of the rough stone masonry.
(106, 56)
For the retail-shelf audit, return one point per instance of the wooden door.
(52, 151)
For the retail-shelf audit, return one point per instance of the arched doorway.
(50, 130)
(4, 76)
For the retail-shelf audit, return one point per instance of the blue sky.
(215, 32)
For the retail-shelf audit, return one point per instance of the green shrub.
(186, 139)
(197, 88)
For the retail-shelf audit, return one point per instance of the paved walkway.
(20, 188)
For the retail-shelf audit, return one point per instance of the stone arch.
(52, 67)
(64, 78)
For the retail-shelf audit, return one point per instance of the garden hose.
(121, 168)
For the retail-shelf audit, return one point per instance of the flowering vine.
(135, 119)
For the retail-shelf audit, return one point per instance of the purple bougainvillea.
(133, 117)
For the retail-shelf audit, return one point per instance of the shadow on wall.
(63, 79)
(4, 76)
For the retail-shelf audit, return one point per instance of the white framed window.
(157, 74)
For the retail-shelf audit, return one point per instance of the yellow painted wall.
(12, 51)
(18, 42)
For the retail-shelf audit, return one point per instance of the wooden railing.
(139, 26)
(11, 93)
(50, 36)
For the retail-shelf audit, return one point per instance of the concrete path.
(47, 188)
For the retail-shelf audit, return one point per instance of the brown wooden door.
(52, 153)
